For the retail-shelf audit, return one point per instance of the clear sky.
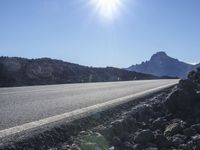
(120, 35)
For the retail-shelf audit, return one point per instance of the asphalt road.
(21, 105)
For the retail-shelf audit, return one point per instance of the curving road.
(21, 105)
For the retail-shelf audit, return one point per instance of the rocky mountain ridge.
(161, 64)
(16, 71)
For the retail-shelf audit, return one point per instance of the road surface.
(22, 105)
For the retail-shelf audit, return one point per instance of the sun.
(107, 8)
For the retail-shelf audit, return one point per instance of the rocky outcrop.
(20, 72)
(164, 122)
(186, 96)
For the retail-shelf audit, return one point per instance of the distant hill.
(161, 64)
(16, 71)
(197, 65)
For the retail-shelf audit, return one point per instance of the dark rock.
(178, 140)
(162, 141)
(186, 84)
(116, 141)
(119, 128)
(189, 132)
(144, 136)
(151, 148)
(183, 147)
(142, 112)
(151, 145)
(156, 132)
(195, 75)
(190, 145)
(138, 147)
(175, 127)
(159, 123)
(65, 146)
(128, 146)
(196, 127)
(106, 131)
(182, 98)
(196, 141)
(75, 147)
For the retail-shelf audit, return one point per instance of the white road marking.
(79, 112)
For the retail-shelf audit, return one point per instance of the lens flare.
(107, 8)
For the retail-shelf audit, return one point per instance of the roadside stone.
(142, 112)
(65, 146)
(75, 147)
(187, 84)
(137, 147)
(116, 141)
(196, 127)
(175, 127)
(182, 98)
(128, 146)
(152, 148)
(159, 123)
(190, 145)
(112, 148)
(162, 141)
(189, 131)
(196, 141)
(144, 136)
(178, 140)
(119, 128)
(183, 147)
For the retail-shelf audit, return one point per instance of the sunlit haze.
(107, 8)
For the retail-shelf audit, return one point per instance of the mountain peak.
(159, 56)
(161, 53)
(161, 64)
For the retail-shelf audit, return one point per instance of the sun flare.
(107, 8)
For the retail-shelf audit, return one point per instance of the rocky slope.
(161, 64)
(169, 120)
(20, 71)
(164, 121)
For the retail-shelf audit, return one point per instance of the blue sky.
(72, 31)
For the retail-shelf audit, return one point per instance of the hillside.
(16, 71)
(161, 64)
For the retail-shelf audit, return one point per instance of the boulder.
(183, 147)
(159, 123)
(187, 84)
(175, 127)
(128, 146)
(189, 132)
(144, 136)
(142, 112)
(75, 147)
(196, 141)
(182, 98)
(162, 141)
(195, 75)
(196, 127)
(178, 139)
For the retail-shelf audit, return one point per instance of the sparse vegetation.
(20, 72)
